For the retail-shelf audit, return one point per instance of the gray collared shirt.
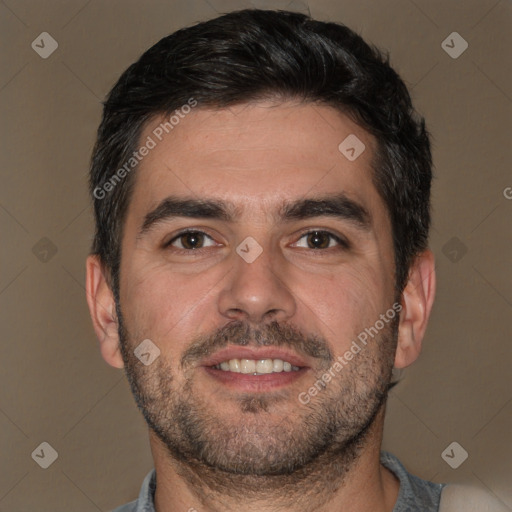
(415, 494)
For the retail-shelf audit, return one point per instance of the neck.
(352, 481)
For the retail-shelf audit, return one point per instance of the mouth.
(247, 369)
(256, 366)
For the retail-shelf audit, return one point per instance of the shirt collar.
(409, 487)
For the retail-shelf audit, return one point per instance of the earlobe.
(417, 300)
(100, 300)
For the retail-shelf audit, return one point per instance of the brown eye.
(318, 240)
(191, 240)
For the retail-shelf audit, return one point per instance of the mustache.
(271, 334)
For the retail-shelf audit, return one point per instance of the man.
(261, 188)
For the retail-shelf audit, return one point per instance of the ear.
(103, 311)
(417, 300)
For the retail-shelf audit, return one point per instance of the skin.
(257, 157)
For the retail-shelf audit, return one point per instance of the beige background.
(54, 386)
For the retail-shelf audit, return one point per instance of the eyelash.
(182, 233)
(343, 244)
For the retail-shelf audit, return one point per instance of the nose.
(257, 292)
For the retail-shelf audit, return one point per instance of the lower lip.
(250, 382)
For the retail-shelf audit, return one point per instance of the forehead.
(255, 156)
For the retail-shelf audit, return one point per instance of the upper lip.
(254, 353)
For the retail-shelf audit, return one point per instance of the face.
(254, 254)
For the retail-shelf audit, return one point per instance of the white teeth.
(247, 365)
(278, 365)
(264, 366)
(234, 365)
(256, 367)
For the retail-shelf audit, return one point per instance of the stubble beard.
(261, 450)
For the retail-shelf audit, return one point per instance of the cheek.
(167, 307)
(343, 303)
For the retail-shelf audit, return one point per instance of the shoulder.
(455, 498)
(129, 507)
(414, 493)
(145, 501)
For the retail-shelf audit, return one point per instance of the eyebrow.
(172, 207)
(339, 206)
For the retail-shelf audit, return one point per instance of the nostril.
(272, 312)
